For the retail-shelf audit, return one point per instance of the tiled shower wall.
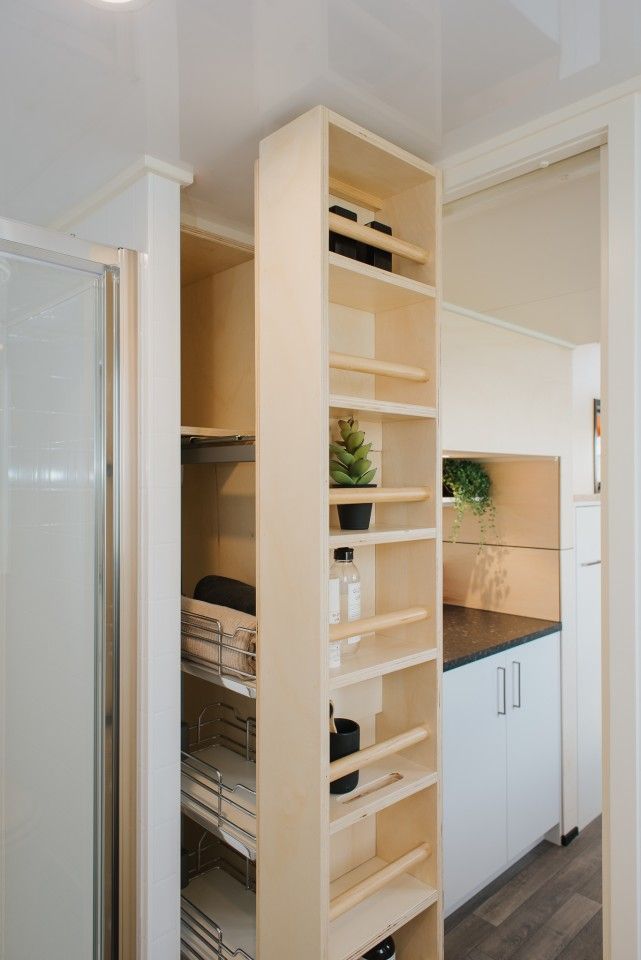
(47, 435)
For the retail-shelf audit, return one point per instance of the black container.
(345, 246)
(379, 258)
(184, 737)
(385, 950)
(184, 868)
(341, 744)
(355, 516)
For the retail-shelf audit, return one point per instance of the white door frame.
(614, 118)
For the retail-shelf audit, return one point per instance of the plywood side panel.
(526, 495)
(506, 579)
(408, 335)
(218, 523)
(293, 741)
(217, 355)
(412, 216)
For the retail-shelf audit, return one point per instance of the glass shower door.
(57, 629)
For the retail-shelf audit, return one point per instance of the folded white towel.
(201, 627)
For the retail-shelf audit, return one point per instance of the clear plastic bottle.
(349, 579)
(334, 616)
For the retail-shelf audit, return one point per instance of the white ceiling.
(86, 90)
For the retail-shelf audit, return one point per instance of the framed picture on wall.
(597, 446)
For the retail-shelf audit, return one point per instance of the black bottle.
(385, 950)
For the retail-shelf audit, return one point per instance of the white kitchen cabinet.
(501, 762)
(588, 635)
(533, 742)
(474, 777)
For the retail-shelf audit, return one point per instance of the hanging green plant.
(469, 483)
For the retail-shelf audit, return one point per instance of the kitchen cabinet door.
(474, 777)
(533, 742)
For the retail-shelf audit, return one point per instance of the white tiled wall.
(47, 572)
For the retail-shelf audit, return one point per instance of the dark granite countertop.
(470, 635)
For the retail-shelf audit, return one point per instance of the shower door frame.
(115, 806)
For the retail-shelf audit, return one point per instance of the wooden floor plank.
(588, 945)
(465, 936)
(521, 887)
(560, 930)
(539, 912)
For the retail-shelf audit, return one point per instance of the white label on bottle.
(334, 600)
(334, 655)
(354, 607)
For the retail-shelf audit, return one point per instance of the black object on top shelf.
(345, 246)
(355, 249)
(379, 258)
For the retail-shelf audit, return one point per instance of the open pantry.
(274, 353)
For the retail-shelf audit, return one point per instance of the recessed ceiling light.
(118, 4)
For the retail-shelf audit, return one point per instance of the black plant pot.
(447, 491)
(347, 740)
(355, 516)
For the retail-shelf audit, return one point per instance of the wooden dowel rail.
(378, 494)
(346, 191)
(371, 885)
(382, 241)
(380, 368)
(368, 755)
(379, 622)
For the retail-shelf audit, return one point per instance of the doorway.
(521, 374)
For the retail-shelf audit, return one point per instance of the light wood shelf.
(352, 934)
(380, 785)
(339, 495)
(368, 755)
(350, 880)
(376, 881)
(378, 533)
(374, 238)
(379, 655)
(380, 621)
(359, 285)
(377, 410)
(378, 368)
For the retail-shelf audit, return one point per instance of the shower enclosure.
(65, 652)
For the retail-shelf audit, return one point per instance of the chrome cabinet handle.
(516, 684)
(592, 563)
(502, 708)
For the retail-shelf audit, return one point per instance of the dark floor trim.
(568, 837)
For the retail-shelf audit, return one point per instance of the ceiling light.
(118, 4)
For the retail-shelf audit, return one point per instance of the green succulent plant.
(348, 463)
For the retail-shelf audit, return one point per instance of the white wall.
(586, 387)
(529, 251)
(508, 392)
(505, 392)
(147, 217)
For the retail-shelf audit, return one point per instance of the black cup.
(347, 740)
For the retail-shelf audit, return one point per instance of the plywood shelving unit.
(337, 337)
